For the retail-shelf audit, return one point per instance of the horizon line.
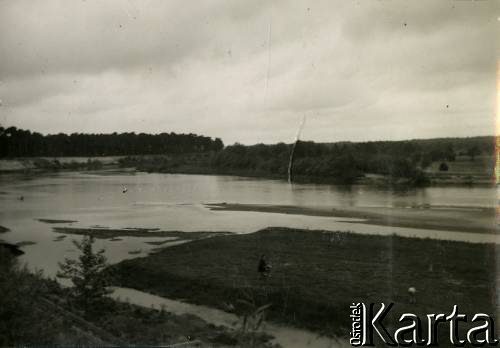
(259, 143)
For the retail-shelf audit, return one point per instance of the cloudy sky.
(249, 71)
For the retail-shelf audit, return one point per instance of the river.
(125, 199)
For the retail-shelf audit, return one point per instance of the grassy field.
(481, 165)
(317, 274)
(464, 170)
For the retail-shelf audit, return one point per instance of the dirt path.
(285, 336)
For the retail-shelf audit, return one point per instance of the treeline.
(345, 162)
(342, 162)
(398, 161)
(16, 142)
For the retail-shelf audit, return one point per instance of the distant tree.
(217, 144)
(86, 274)
(449, 153)
(443, 167)
(426, 161)
(473, 151)
(401, 168)
(344, 170)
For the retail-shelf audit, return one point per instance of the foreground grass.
(317, 274)
(38, 311)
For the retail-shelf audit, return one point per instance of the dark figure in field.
(412, 292)
(264, 267)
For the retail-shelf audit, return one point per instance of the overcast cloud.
(248, 71)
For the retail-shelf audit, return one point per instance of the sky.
(250, 71)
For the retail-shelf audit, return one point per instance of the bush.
(443, 167)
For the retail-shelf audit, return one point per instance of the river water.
(117, 199)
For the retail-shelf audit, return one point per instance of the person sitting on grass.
(264, 268)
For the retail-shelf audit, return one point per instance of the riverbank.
(442, 218)
(52, 164)
(317, 274)
(435, 178)
(111, 233)
(468, 173)
(361, 166)
(38, 311)
(284, 336)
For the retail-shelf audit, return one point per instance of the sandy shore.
(447, 218)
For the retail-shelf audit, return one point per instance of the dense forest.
(16, 142)
(346, 162)
(342, 162)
